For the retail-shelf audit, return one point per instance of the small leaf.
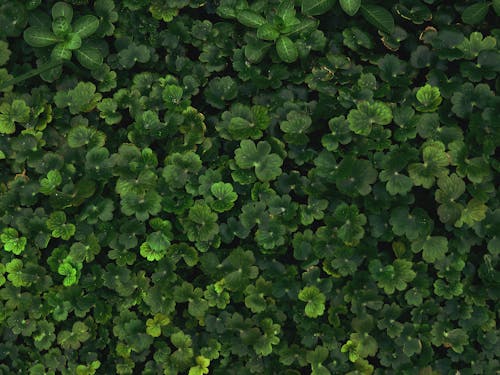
(351, 7)
(287, 51)
(316, 7)
(379, 17)
(475, 13)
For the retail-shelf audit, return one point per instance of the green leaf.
(18, 111)
(69, 272)
(153, 326)
(142, 204)
(473, 213)
(49, 184)
(450, 189)
(83, 98)
(11, 242)
(315, 301)
(268, 32)
(379, 17)
(4, 52)
(202, 223)
(351, 7)
(85, 26)
(61, 52)
(392, 277)
(457, 339)
(296, 123)
(434, 165)
(250, 18)
(61, 27)
(81, 135)
(15, 273)
(201, 367)
(361, 120)
(155, 247)
(434, 248)
(267, 165)
(134, 53)
(429, 98)
(37, 36)
(62, 9)
(225, 196)
(496, 6)
(316, 7)
(90, 58)
(351, 231)
(287, 50)
(475, 13)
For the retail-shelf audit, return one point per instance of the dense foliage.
(249, 187)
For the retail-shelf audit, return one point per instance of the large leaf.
(89, 57)
(85, 26)
(316, 7)
(475, 13)
(37, 36)
(379, 17)
(351, 7)
(287, 51)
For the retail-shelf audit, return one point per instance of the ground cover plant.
(249, 187)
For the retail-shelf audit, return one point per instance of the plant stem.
(48, 66)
